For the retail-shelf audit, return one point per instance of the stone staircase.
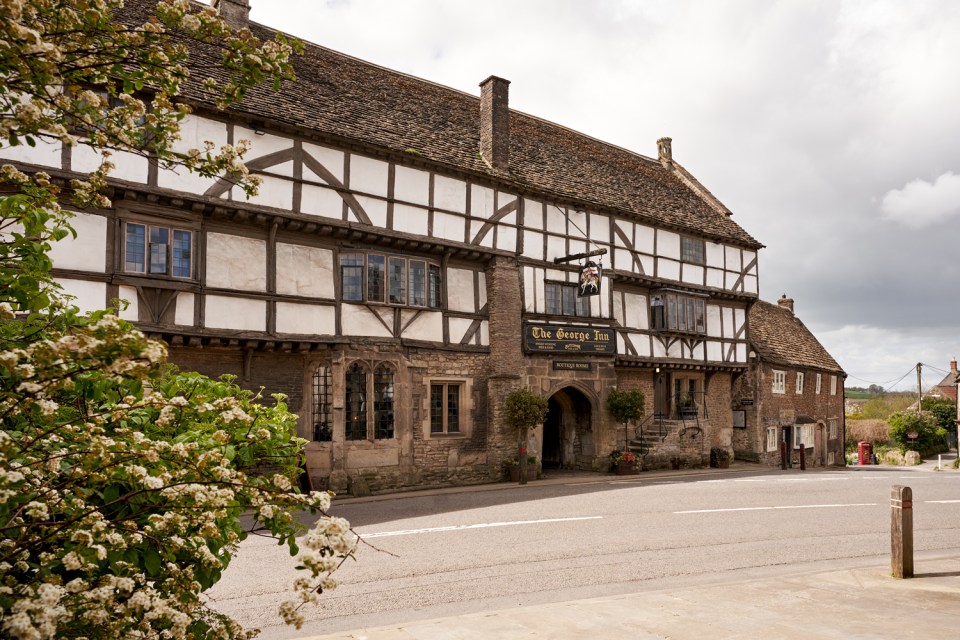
(666, 444)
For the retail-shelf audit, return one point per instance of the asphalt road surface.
(454, 553)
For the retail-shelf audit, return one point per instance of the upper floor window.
(819, 380)
(158, 250)
(692, 250)
(833, 385)
(562, 300)
(674, 312)
(374, 277)
(799, 382)
(779, 381)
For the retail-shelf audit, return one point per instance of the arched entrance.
(566, 429)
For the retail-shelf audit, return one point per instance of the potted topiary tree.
(524, 410)
(626, 406)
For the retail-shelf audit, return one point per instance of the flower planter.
(627, 469)
(515, 473)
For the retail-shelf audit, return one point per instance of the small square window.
(779, 382)
(692, 250)
(157, 250)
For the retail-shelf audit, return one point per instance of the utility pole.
(919, 388)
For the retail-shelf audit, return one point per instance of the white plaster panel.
(715, 254)
(235, 262)
(556, 219)
(668, 244)
(532, 214)
(693, 273)
(458, 328)
(460, 293)
(714, 351)
(411, 185)
(506, 238)
(578, 223)
(533, 244)
(307, 319)
(194, 130)
(714, 329)
(481, 202)
(376, 210)
(132, 312)
(331, 159)
(89, 296)
(658, 350)
(448, 227)
(733, 259)
(636, 311)
(261, 145)
(273, 192)
(450, 194)
(647, 263)
(368, 175)
(183, 314)
(641, 342)
(644, 240)
(357, 320)
(555, 274)
(128, 166)
(487, 239)
(428, 326)
(621, 344)
(529, 290)
(284, 169)
(739, 319)
(623, 259)
(715, 278)
(180, 179)
(728, 330)
(556, 247)
(675, 350)
(85, 252)
(45, 154)
(224, 312)
(750, 284)
(540, 296)
(304, 271)
(510, 218)
(410, 219)
(482, 280)
(731, 278)
(320, 201)
(627, 229)
(741, 352)
(618, 314)
(503, 199)
(484, 334)
(599, 228)
(576, 246)
(668, 269)
(748, 257)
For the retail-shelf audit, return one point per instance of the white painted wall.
(449, 194)
(357, 320)
(132, 312)
(305, 271)
(481, 202)
(460, 290)
(320, 201)
(86, 252)
(223, 312)
(185, 306)
(306, 319)
(45, 154)
(235, 262)
(89, 296)
(408, 219)
(368, 175)
(331, 159)
(427, 326)
(412, 185)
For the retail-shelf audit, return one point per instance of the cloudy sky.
(830, 128)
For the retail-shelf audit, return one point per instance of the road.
(453, 553)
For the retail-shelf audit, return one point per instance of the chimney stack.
(235, 13)
(665, 152)
(786, 303)
(953, 365)
(495, 122)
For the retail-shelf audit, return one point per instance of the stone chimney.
(665, 151)
(786, 303)
(495, 122)
(235, 13)
(953, 365)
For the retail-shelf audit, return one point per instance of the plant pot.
(626, 469)
(723, 463)
(515, 472)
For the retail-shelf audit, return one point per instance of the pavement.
(847, 598)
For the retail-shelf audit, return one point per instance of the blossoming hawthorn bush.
(122, 480)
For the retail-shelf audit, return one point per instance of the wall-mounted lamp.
(657, 370)
(259, 132)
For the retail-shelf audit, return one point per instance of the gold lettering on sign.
(601, 336)
(543, 333)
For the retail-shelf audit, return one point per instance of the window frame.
(693, 250)
(445, 386)
(779, 386)
(799, 384)
(566, 293)
(678, 312)
(773, 443)
(322, 395)
(370, 406)
(819, 382)
(833, 385)
(171, 256)
(396, 284)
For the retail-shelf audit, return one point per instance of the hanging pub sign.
(589, 280)
(569, 339)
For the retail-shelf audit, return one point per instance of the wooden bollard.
(901, 531)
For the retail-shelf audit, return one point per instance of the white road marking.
(797, 506)
(943, 501)
(462, 527)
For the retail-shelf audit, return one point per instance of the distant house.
(791, 394)
(947, 388)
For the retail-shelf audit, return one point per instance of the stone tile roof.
(342, 98)
(779, 337)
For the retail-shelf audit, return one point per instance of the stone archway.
(567, 431)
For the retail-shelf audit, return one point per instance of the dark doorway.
(567, 435)
(661, 396)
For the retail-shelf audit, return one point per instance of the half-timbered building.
(407, 262)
